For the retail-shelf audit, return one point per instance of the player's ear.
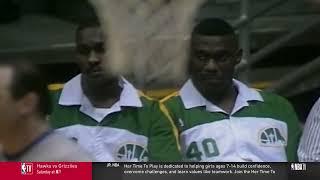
(27, 104)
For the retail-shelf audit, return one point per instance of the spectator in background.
(220, 118)
(309, 148)
(105, 114)
(25, 134)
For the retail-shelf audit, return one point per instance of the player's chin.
(212, 83)
(99, 76)
(96, 74)
(213, 87)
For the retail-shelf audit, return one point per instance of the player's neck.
(103, 95)
(23, 135)
(226, 99)
(107, 103)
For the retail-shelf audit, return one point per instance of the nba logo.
(26, 168)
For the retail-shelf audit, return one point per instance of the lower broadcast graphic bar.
(158, 171)
(205, 171)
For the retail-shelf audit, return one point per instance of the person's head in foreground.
(25, 134)
(24, 104)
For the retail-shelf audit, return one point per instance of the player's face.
(213, 61)
(91, 52)
(7, 103)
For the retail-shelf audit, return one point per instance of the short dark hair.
(28, 78)
(92, 22)
(91, 18)
(213, 27)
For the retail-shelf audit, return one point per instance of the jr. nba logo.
(26, 168)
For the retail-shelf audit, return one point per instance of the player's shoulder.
(274, 99)
(55, 91)
(55, 87)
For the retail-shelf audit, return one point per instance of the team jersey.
(133, 129)
(262, 126)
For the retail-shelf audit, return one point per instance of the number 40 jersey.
(262, 127)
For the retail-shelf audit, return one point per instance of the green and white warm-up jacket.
(261, 127)
(136, 128)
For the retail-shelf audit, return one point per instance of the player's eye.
(83, 50)
(99, 48)
(202, 56)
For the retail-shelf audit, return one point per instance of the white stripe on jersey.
(309, 148)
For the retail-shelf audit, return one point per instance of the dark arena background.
(280, 38)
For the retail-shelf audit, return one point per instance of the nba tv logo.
(298, 166)
(26, 168)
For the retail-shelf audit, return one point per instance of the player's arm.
(164, 140)
(309, 148)
(294, 131)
